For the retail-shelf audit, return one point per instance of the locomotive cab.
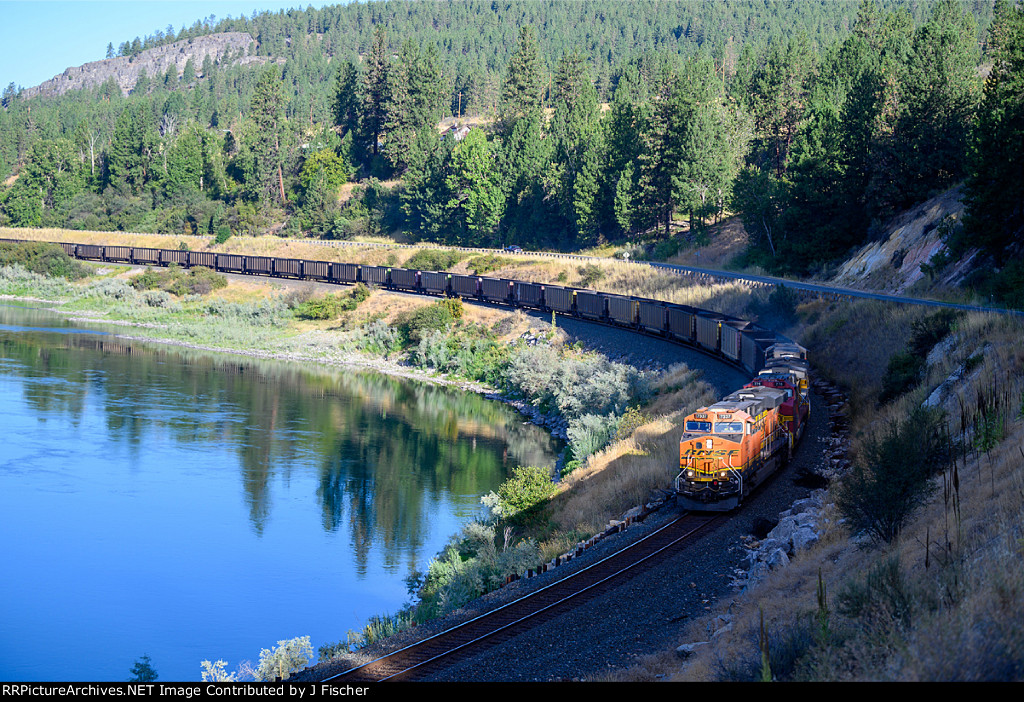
(729, 447)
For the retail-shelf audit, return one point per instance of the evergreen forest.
(582, 123)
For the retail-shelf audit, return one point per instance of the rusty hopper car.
(168, 257)
(316, 270)
(590, 304)
(434, 282)
(90, 251)
(146, 256)
(117, 253)
(344, 273)
(404, 278)
(259, 265)
(288, 267)
(231, 263)
(202, 258)
(730, 447)
(558, 299)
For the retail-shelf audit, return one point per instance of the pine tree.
(132, 146)
(521, 90)
(995, 187)
(577, 145)
(942, 92)
(375, 91)
(347, 98)
(267, 115)
(476, 201)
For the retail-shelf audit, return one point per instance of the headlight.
(689, 474)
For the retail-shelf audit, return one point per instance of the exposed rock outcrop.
(126, 70)
(893, 264)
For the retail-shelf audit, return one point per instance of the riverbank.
(255, 319)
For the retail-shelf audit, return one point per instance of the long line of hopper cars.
(727, 448)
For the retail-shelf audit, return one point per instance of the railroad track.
(465, 640)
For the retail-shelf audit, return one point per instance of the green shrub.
(433, 259)
(440, 316)
(524, 495)
(629, 422)
(223, 234)
(883, 598)
(330, 306)
(904, 372)
(198, 281)
(326, 307)
(571, 383)
(378, 338)
(471, 565)
(570, 466)
(201, 281)
(906, 369)
(590, 274)
(665, 249)
(45, 259)
(288, 657)
(883, 490)
(591, 433)
(481, 265)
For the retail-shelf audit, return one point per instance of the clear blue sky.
(39, 39)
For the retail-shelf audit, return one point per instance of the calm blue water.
(192, 506)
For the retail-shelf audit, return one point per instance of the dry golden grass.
(728, 240)
(964, 575)
(624, 474)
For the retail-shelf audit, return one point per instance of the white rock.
(804, 538)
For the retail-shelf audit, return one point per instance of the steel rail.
(520, 620)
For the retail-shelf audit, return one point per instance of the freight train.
(729, 448)
(726, 449)
(733, 340)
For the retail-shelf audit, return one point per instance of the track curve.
(510, 620)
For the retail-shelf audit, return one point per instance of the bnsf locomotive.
(729, 448)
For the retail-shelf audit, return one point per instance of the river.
(188, 505)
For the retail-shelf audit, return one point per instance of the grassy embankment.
(944, 598)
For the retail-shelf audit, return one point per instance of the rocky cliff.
(126, 70)
(893, 264)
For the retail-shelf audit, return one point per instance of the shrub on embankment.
(935, 594)
(42, 259)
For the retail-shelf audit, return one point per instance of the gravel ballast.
(648, 612)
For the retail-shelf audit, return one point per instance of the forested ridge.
(598, 121)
